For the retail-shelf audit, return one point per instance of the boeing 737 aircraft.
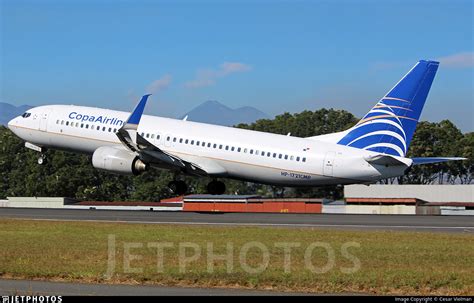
(125, 143)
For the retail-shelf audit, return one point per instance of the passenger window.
(274, 155)
(227, 147)
(232, 148)
(103, 129)
(198, 143)
(192, 142)
(181, 140)
(87, 126)
(110, 129)
(245, 150)
(268, 154)
(251, 151)
(286, 157)
(203, 144)
(174, 139)
(82, 125)
(168, 138)
(292, 158)
(220, 146)
(304, 159)
(98, 127)
(208, 144)
(115, 130)
(152, 136)
(298, 159)
(148, 136)
(279, 156)
(263, 154)
(238, 149)
(215, 145)
(67, 123)
(158, 137)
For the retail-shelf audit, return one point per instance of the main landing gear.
(180, 188)
(216, 187)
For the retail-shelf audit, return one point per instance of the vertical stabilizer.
(389, 126)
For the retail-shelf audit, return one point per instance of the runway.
(45, 288)
(328, 221)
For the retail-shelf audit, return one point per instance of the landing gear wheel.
(178, 187)
(42, 159)
(216, 188)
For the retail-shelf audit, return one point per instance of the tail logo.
(389, 126)
(381, 128)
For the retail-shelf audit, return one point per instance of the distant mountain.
(8, 112)
(214, 112)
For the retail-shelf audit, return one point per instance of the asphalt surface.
(45, 288)
(332, 221)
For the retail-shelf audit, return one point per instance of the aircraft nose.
(11, 123)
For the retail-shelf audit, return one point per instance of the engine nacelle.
(117, 161)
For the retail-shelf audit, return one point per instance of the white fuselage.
(242, 154)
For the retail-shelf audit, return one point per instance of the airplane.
(131, 143)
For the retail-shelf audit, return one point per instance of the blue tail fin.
(389, 126)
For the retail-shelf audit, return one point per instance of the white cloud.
(208, 77)
(203, 78)
(159, 84)
(459, 60)
(227, 68)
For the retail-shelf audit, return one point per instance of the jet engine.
(117, 161)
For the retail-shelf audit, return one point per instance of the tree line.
(72, 175)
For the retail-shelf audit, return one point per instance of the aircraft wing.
(149, 153)
(154, 155)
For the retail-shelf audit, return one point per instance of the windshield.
(26, 115)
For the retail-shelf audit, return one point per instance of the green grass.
(390, 262)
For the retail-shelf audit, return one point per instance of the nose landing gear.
(42, 159)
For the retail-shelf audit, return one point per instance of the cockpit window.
(26, 115)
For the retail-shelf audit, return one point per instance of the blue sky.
(274, 55)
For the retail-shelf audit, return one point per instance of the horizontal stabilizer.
(428, 160)
(387, 160)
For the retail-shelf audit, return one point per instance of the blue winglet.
(138, 111)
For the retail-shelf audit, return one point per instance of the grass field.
(330, 261)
